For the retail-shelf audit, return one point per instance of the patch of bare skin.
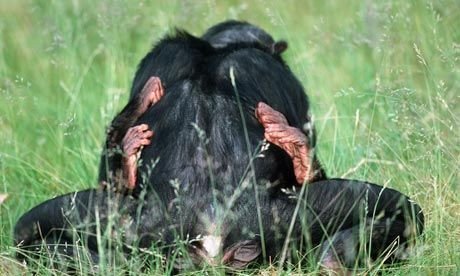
(139, 136)
(292, 140)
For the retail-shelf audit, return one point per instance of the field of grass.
(383, 78)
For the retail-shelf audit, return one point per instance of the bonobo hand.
(139, 136)
(135, 138)
(292, 140)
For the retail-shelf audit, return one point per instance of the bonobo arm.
(124, 141)
(173, 59)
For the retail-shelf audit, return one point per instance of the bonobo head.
(233, 32)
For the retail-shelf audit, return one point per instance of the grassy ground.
(383, 78)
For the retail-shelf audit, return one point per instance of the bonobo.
(208, 103)
(336, 216)
(195, 76)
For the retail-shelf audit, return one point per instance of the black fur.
(199, 95)
(203, 167)
(331, 211)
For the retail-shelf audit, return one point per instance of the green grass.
(383, 78)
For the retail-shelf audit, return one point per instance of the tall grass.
(382, 76)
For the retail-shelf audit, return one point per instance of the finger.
(147, 134)
(261, 104)
(159, 86)
(143, 127)
(269, 119)
(293, 138)
(144, 142)
(275, 128)
(272, 140)
(290, 149)
(149, 85)
(288, 139)
(156, 86)
(153, 81)
(277, 135)
(265, 109)
(138, 128)
(304, 157)
(136, 135)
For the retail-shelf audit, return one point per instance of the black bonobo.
(186, 158)
(199, 95)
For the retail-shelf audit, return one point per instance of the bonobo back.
(201, 123)
(200, 143)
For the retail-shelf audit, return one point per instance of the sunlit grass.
(382, 76)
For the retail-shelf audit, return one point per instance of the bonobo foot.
(139, 136)
(292, 140)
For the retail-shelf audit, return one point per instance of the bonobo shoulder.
(250, 49)
(176, 57)
(247, 59)
(181, 37)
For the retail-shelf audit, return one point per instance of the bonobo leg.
(89, 219)
(118, 167)
(382, 240)
(292, 140)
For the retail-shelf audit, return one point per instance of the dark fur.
(206, 140)
(199, 94)
(334, 209)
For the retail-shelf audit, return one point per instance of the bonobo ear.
(279, 47)
(241, 254)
